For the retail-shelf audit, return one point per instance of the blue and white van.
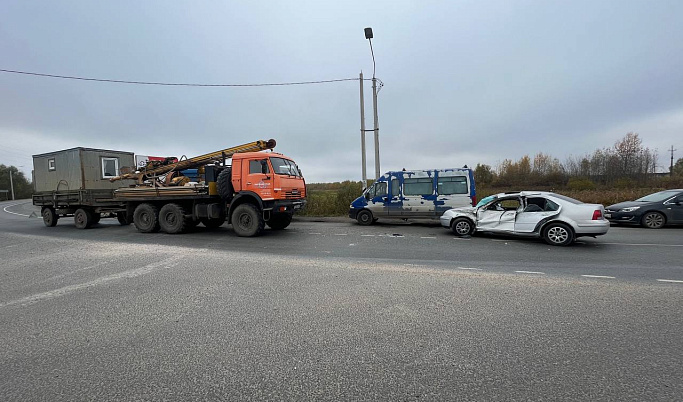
(414, 194)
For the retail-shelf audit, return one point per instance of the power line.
(66, 77)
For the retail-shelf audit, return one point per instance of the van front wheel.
(365, 218)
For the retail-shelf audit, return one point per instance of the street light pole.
(369, 36)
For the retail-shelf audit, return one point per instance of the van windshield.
(285, 167)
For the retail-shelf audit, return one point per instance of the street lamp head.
(368, 33)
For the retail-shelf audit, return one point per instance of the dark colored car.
(652, 211)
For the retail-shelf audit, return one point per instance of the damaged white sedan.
(558, 219)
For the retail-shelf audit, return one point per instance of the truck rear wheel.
(247, 221)
(83, 218)
(279, 221)
(146, 218)
(224, 184)
(50, 216)
(172, 218)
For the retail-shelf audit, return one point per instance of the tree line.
(22, 186)
(626, 164)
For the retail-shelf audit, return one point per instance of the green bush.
(580, 184)
(332, 201)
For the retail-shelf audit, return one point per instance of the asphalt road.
(335, 311)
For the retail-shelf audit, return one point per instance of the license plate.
(607, 216)
(297, 206)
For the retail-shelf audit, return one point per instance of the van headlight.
(629, 209)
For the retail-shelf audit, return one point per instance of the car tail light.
(597, 215)
(474, 200)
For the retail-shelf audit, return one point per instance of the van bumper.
(353, 213)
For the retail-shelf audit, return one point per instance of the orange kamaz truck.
(249, 186)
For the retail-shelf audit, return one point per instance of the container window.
(418, 186)
(110, 167)
(51, 164)
(453, 185)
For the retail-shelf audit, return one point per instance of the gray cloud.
(465, 83)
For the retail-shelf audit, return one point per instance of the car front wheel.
(653, 220)
(558, 234)
(462, 227)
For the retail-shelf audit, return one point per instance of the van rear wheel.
(365, 218)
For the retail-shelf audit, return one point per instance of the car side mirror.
(367, 196)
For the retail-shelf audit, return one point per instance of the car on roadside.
(556, 218)
(653, 211)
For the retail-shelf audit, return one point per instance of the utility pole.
(362, 131)
(671, 168)
(11, 184)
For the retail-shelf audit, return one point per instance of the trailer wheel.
(172, 218)
(212, 223)
(247, 221)
(279, 221)
(224, 184)
(146, 218)
(50, 216)
(83, 218)
(122, 217)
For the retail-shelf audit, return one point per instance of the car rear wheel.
(462, 227)
(365, 218)
(558, 234)
(653, 220)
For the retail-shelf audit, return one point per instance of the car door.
(393, 200)
(499, 216)
(535, 210)
(675, 205)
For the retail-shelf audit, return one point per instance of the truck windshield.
(285, 167)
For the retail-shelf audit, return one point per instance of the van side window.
(418, 186)
(452, 185)
(395, 187)
(380, 189)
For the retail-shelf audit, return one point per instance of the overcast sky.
(465, 82)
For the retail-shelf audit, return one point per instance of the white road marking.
(167, 263)
(14, 213)
(530, 272)
(341, 234)
(428, 237)
(598, 276)
(644, 244)
(669, 280)
(461, 238)
(470, 269)
(315, 233)
(367, 235)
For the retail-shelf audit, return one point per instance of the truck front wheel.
(50, 216)
(247, 221)
(279, 221)
(146, 218)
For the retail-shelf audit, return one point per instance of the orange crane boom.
(197, 161)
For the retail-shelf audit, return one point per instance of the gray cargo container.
(79, 169)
